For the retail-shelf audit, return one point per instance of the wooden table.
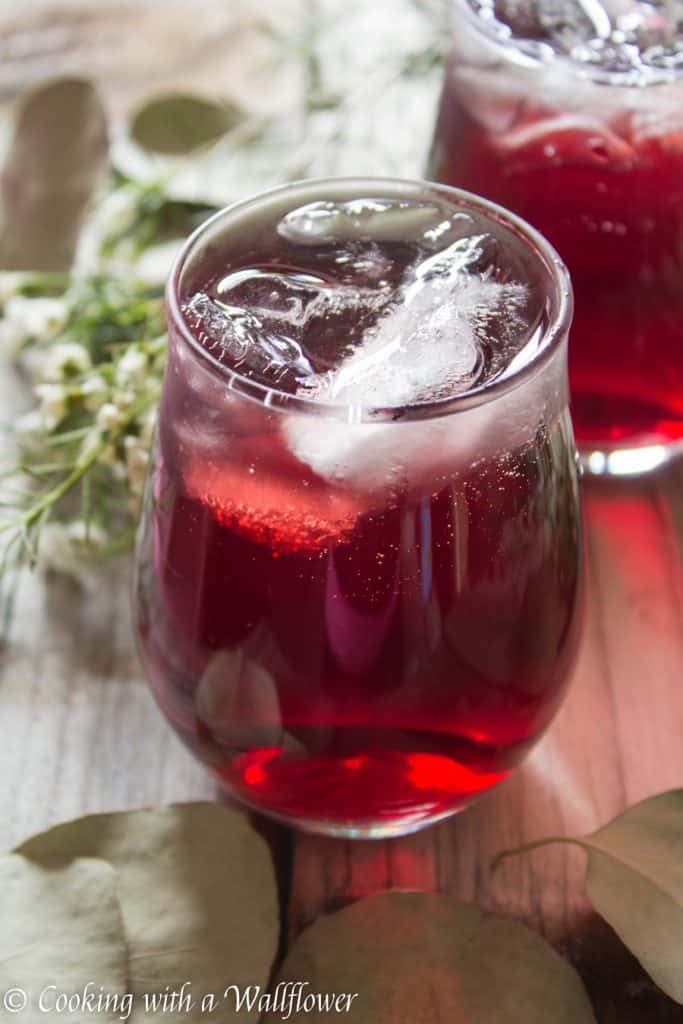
(80, 733)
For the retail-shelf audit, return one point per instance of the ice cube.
(561, 23)
(433, 342)
(430, 342)
(267, 294)
(638, 41)
(366, 260)
(381, 220)
(568, 23)
(291, 299)
(470, 253)
(240, 337)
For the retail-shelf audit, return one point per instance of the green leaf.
(181, 123)
(635, 881)
(197, 891)
(414, 958)
(53, 166)
(60, 924)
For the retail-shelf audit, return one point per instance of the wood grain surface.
(80, 732)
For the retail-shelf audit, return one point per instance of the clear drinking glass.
(572, 116)
(358, 570)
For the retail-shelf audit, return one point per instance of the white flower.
(94, 390)
(108, 417)
(29, 433)
(27, 426)
(132, 367)
(123, 400)
(53, 400)
(63, 547)
(35, 318)
(10, 337)
(64, 360)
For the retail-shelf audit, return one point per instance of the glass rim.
(554, 333)
(592, 73)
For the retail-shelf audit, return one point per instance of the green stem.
(33, 515)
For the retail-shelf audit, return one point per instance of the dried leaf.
(198, 896)
(53, 166)
(635, 881)
(60, 925)
(181, 123)
(414, 958)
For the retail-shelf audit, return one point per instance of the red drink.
(359, 566)
(577, 126)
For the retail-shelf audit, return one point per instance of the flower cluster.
(94, 357)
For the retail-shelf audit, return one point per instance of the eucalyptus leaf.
(198, 896)
(415, 958)
(634, 880)
(51, 171)
(61, 926)
(181, 123)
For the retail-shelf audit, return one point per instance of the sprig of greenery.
(95, 358)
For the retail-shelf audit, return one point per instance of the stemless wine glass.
(358, 569)
(572, 116)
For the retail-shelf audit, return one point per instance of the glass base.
(343, 830)
(597, 461)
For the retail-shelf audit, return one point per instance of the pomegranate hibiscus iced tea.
(572, 116)
(359, 565)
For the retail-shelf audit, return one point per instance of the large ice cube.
(256, 321)
(435, 341)
(381, 220)
(430, 342)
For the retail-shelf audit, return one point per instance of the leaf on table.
(197, 891)
(60, 924)
(634, 880)
(55, 161)
(415, 958)
(181, 123)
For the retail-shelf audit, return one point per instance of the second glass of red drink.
(359, 562)
(571, 115)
